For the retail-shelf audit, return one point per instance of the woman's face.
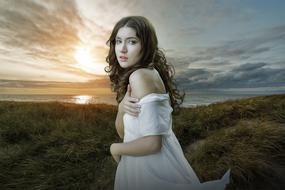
(127, 47)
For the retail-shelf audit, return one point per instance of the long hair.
(152, 57)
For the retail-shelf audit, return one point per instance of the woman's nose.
(123, 48)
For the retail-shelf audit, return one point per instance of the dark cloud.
(220, 66)
(247, 75)
(248, 67)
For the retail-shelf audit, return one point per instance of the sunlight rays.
(87, 62)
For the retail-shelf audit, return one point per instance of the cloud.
(247, 62)
(238, 50)
(248, 75)
(34, 26)
(43, 35)
(45, 30)
(102, 82)
(187, 16)
(248, 67)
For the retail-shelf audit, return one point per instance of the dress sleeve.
(154, 119)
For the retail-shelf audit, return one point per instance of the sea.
(192, 99)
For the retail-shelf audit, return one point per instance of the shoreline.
(190, 101)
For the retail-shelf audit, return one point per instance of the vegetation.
(66, 146)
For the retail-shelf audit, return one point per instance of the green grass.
(66, 146)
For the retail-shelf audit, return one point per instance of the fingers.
(132, 99)
(130, 105)
(132, 108)
(132, 111)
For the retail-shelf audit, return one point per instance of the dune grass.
(55, 146)
(66, 146)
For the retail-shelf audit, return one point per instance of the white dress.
(167, 169)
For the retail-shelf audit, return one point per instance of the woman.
(150, 156)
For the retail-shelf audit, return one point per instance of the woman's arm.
(141, 85)
(127, 105)
(119, 123)
(140, 147)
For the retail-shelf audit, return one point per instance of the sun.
(84, 59)
(87, 62)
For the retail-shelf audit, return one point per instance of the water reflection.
(83, 99)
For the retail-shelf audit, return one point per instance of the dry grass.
(66, 146)
(253, 149)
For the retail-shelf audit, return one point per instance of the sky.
(59, 46)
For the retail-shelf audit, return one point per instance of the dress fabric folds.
(167, 169)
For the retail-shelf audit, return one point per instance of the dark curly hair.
(152, 57)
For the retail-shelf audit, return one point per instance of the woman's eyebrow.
(126, 38)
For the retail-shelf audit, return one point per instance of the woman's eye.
(129, 41)
(132, 42)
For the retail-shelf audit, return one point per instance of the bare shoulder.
(142, 82)
(142, 73)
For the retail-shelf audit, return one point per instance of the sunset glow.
(84, 59)
(82, 99)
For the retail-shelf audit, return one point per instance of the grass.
(66, 146)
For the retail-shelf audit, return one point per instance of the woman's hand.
(129, 104)
(115, 153)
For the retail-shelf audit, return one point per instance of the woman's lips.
(122, 58)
